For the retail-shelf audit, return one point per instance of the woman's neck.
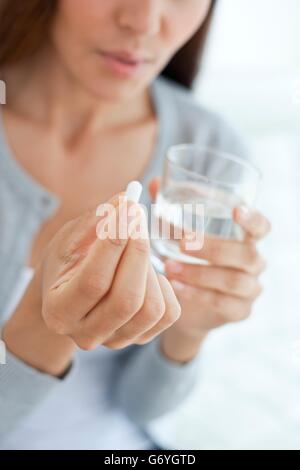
(42, 89)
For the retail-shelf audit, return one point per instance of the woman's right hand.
(104, 290)
(98, 288)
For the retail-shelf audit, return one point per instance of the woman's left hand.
(219, 293)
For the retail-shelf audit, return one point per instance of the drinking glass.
(197, 177)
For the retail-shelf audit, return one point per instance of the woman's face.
(115, 48)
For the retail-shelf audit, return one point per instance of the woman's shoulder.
(196, 123)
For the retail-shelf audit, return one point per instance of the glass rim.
(221, 154)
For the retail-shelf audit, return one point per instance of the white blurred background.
(249, 390)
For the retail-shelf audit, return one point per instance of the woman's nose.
(141, 16)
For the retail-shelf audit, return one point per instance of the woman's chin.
(115, 90)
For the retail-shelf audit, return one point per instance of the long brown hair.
(24, 25)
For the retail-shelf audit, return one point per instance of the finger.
(225, 308)
(78, 234)
(126, 296)
(150, 314)
(171, 315)
(255, 224)
(225, 280)
(228, 253)
(75, 297)
(154, 187)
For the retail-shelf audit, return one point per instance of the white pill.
(134, 191)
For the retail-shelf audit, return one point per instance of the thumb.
(154, 187)
(81, 232)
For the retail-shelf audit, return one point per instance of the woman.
(95, 346)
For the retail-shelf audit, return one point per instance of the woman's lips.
(121, 66)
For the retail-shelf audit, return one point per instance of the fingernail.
(130, 218)
(244, 212)
(174, 267)
(177, 286)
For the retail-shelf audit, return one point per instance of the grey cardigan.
(146, 385)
